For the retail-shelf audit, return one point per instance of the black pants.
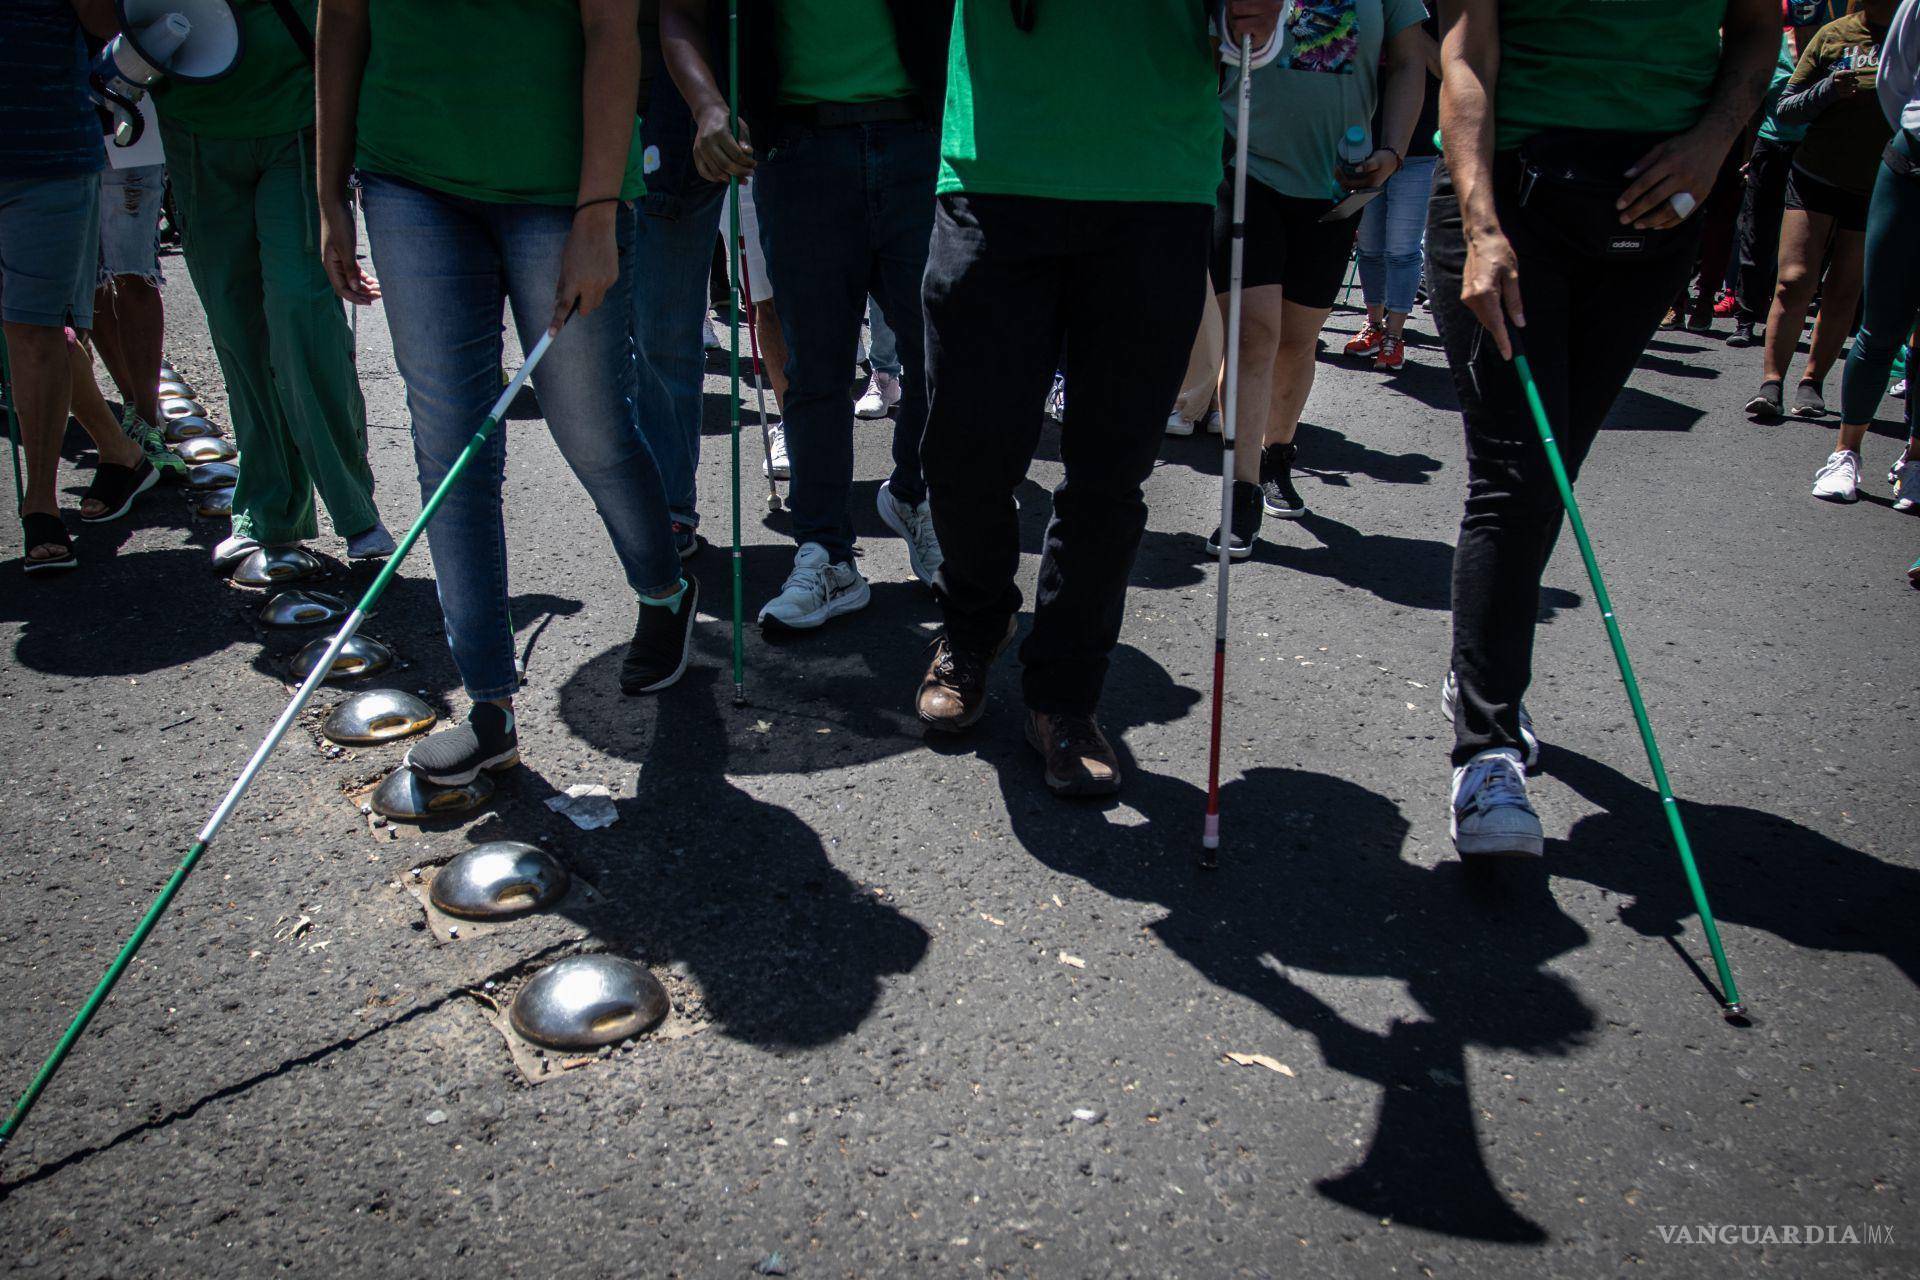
(1011, 282)
(1589, 317)
(1762, 203)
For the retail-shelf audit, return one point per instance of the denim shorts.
(130, 222)
(49, 247)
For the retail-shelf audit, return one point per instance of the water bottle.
(1354, 149)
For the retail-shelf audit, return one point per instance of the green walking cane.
(733, 353)
(279, 730)
(1732, 1006)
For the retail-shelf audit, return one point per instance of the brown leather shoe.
(1080, 760)
(953, 693)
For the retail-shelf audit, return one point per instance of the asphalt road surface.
(931, 1021)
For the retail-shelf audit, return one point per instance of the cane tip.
(1737, 1015)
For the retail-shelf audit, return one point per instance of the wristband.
(588, 204)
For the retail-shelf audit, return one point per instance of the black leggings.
(1589, 317)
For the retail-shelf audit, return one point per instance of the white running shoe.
(815, 591)
(915, 525)
(1177, 425)
(1899, 391)
(1057, 399)
(1529, 741)
(883, 392)
(1905, 478)
(1212, 422)
(1839, 479)
(1492, 816)
(777, 464)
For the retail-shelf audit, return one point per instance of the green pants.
(251, 229)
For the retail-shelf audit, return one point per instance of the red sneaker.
(1393, 354)
(1367, 341)
(1727, 305)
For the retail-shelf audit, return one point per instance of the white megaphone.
(193, 41)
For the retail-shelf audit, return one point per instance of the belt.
(829, 115)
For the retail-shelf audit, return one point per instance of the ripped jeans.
(130, 222)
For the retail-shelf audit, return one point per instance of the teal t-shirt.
(1771, 129)
(1325, 80)
(1101, 100)
(269, 92)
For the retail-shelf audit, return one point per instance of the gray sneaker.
(1808, 402)
(1906, 492)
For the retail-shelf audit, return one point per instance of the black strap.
(302, 37)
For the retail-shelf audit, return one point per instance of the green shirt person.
(240, 160)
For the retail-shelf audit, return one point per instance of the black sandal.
(115, 487)
(43, 530)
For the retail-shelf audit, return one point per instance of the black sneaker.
(454, 757)
(1808, 402)
(1246, 522)
(662, 641)
(1766, 403)
(687, 540)
(1278, 495)
(1742, 335)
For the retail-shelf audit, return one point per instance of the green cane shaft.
(100, 992)
(1579, 526)
(733, 353)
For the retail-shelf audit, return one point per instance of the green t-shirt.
(1645, 66)
(1771, 129)
(839, 51)
(1842, 144)
(270, 91)
(1100, 101)
(479, 98)
(1325, 80)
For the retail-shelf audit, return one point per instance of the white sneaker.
(915, 524)
(883, 392)
(1529, 741)
(1492, 816)
(1899, 391)
(1212, 422)
(1057, 399)
(1905, 478)
(231, 550)
(777, 464)
(815, 591)
(1839, 479)
(1177, 425)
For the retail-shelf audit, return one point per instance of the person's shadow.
(787, 950)
(1314, 882)
(1760, 870)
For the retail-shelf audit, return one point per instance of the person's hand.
(338, 243)
(589, 264)
(1255, 19)
(717, 154)
(1848, 83)
(1370, 173)
(1490, 286)
(1687, 162)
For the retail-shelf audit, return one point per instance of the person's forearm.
(683, 45)
(340, 51)
(1470, 56)
(1804, 105)
(609, 86)
(101, 18)
(1749, 48)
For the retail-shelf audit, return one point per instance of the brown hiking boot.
(1080, 760)
(953, 693)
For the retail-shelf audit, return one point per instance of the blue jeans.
(1391, 230)
(883, 349)
(446, 265)
(845, 212)
(673, 249)
(49, 250)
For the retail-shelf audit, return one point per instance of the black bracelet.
(588, 204)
